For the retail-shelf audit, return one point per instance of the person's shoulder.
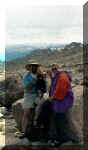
(59, 73)
(27, 74)
(64, 74)
(69, 75)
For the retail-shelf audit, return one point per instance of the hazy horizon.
(43, 24)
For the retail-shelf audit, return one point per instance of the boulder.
(17, 109)
(18, 112)
(46, 147)
(73, 122)
(10, 90)
(12, 96)
(76, 81)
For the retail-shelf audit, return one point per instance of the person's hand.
(39, 102)
(49, 73)
(50, 99)
(38, 91)
(36, 78)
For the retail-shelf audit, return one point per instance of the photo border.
(85, 104)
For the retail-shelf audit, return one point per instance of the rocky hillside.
(65, 56)
(73, 45)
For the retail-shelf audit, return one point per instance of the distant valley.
(18, 51)
(70, 54)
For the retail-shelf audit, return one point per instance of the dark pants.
(44, 117)
(57, 125)
(60, 124)
(59, 119)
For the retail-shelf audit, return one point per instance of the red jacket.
(62, 85)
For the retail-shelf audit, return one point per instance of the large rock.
(12, 96)
(35, 133)
(73, 125)
(40, 147)
(18, 112)
(10, 90)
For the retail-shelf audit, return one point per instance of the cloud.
(44, 24)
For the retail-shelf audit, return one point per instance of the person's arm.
(69, 76)
(50, 99)
(29, 87)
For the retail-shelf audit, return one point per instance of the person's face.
(34, 69)
(28, 68)
(54, 71)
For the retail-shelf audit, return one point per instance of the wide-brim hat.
(30, 64)
(33, 62)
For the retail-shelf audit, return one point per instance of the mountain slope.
(20, 50)
(46, 57)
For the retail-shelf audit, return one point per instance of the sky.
(22, 22)
(44, 24)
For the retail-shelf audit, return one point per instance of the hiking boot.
(36, 143)
(35, 123)
(25, 141)
(64, 140)
(51, 143)
(22, 136)
(76, 141)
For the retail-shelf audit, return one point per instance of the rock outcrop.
(73, 125)
(29, 147)
(11, 90)
(18, 112)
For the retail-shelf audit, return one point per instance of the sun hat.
(34, 62)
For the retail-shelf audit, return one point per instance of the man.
(62, 99)
(29, 84)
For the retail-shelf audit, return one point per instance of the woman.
(62, 98)
(29, 84)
